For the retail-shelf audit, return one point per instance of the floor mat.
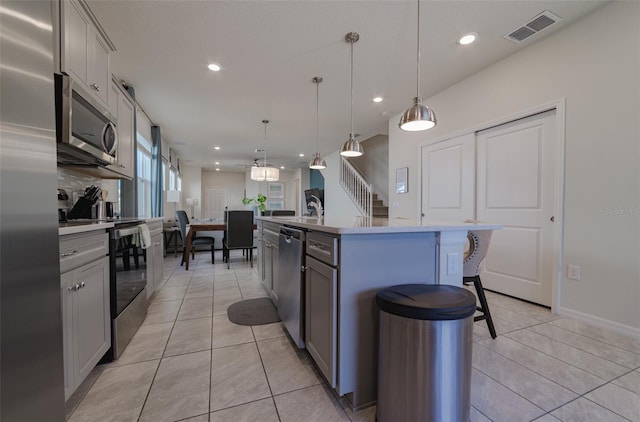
(253, 312)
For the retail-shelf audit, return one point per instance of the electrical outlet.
(573, 272)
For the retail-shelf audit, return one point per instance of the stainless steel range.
(128, 269)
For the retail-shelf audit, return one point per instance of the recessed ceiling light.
(282, 167)
(217, 148)
(217, 162)
(214, 67)
(378, 99)
(467, 39)
(217, 169)
(301, 155)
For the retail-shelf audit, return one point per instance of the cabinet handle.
(81, 285)
(122, 166)
(156, 244)
(74, 288)
(96, 87)
(63, 255)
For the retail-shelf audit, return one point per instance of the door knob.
(553, 218)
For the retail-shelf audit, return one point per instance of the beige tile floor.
(188, 362)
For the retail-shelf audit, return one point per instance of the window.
(144, 176)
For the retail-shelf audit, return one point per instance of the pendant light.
(352, 147)
(418, 116)
(263, 172)
(317, 163)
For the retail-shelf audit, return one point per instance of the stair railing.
(356, 187)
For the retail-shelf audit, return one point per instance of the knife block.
(81, 209)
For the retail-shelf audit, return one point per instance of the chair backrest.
(478, 248)
(239, 230)
(183, 221)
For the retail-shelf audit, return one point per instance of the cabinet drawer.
(82, 248)
(323, 247)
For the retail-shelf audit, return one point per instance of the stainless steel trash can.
(424, 362)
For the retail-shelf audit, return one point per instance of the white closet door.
(215, 199)
(515, 188)
(448, 185)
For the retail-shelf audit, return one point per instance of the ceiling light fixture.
(263, 172)
(216, 148)
(317, 163)
(467, 39)
(214, 67)
(301, 155)
(352, 148)
(378, 99)
(217, 162)
(418, 116)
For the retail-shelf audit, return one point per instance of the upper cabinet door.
(100, 73)
(76, 43)
(85, 51)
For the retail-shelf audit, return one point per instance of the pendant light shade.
(264, 173)
(418, 116)
(317, 163)
(352, 147)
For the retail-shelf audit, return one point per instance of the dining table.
(201, 226)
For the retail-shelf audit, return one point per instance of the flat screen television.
(309, 198)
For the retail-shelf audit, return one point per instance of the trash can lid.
(427, 301)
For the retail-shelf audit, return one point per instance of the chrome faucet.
(317, 205)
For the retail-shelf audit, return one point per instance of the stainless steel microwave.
(85, 130)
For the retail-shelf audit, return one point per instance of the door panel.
(448, 171)
(515, 188)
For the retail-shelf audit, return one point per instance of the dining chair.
(238, 234)
(478, 248)
(183, 221)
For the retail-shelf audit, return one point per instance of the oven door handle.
(126, 232)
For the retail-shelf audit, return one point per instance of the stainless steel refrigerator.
(31, 364)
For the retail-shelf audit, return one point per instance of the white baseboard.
(601, 322)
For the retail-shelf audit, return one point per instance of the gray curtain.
(156, 173)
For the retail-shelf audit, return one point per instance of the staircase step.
(380, 211)
(378, 203)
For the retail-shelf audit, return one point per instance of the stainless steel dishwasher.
(290, 287)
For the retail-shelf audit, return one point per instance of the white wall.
(192, 188)
(595, 65)
(336, 200)
(374, 165)
(233, 182)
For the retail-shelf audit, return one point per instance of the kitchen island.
(347, 261)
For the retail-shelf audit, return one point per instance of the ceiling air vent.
(535, 25)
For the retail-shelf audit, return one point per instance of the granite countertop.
(363, 225)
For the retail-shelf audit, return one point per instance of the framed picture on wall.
(275, 204)
(275, 190)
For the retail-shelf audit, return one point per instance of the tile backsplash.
(75, 183)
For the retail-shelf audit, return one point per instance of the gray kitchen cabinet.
(271, 247)
(260, 251)
(122, 107)
(85, 298)
(321, 303)
(155, 256)
(85, 50)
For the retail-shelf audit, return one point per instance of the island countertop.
(364, 225)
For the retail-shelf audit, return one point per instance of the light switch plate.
(573, 272)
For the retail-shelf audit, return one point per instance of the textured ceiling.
(270, 50)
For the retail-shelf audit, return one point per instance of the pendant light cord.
(317, 119)
(265, 142)
(418, 56)
(352, 87)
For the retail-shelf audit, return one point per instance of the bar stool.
(478, 248)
